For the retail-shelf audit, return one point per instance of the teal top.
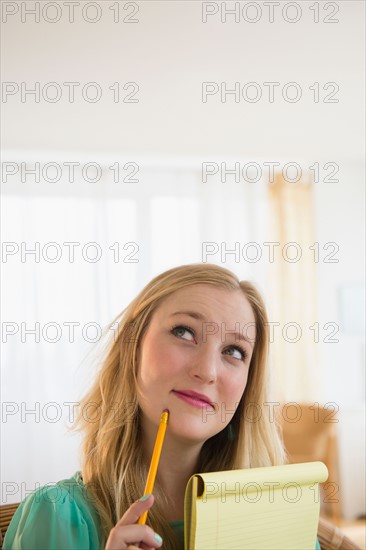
(61, 517)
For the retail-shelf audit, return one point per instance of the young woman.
(195, 342)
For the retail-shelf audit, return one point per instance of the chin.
(191, 431)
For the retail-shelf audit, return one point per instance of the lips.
(195, 395)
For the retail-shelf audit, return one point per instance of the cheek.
(235, 386)
(159, 362)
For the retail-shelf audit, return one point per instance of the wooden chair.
(330, 537)
(313, 437)
(6, 513)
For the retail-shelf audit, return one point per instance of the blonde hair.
(114, 470)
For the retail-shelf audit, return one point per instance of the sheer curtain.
(292, 285)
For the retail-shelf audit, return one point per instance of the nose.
(205, 365)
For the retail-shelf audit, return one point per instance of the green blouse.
(61, 517)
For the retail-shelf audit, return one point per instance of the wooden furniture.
(310, 434)
(331, 537)
(6, 513)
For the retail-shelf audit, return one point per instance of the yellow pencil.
(155, 460)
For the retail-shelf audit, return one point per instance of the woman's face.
(191, 361)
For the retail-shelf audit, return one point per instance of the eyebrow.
(200, 317)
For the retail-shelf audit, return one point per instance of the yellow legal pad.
(254, 509)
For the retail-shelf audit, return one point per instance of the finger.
(135, 511)
(144, 546)
(140, 536)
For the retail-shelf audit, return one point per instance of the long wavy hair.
(113, 468)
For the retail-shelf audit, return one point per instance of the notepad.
(254, 509)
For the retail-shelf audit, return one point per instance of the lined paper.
(254, 509)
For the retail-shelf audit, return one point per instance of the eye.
(237, 352)
(181, 331)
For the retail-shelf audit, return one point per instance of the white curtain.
(292, 282)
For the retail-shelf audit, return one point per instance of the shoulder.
(57, 516)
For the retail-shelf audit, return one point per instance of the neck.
(178, 462)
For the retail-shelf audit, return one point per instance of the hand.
(128, 535)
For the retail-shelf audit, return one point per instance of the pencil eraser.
(166, 411)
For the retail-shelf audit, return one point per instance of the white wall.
(169, 53)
